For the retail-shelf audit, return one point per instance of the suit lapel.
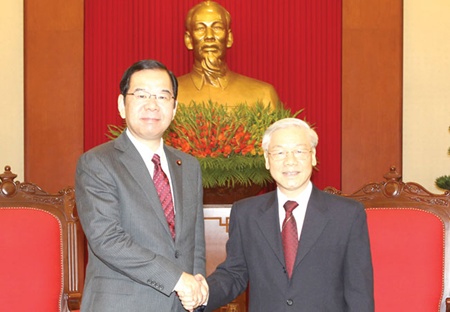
(268, 223)
(135, 165)
(315, 221)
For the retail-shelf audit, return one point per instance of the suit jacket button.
(290, 302)
(177, 254)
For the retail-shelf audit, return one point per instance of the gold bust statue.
(208, 35)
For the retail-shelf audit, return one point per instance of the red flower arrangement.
(226, 141)
(211, 138)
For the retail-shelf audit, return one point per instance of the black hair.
(146, 64)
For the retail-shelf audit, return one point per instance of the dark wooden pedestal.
(216, 230)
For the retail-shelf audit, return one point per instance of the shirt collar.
(144, 150)
(302, 199)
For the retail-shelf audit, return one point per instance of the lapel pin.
(179, 162)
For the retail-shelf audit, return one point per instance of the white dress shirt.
(147, 155)
(299, 212)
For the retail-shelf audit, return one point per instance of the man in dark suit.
(311, 254)
(143, 250)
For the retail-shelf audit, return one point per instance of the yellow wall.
(11, 87)
(426, 91)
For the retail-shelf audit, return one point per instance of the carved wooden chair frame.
(392, 194)
(14, 194)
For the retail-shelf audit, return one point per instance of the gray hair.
(288, 123)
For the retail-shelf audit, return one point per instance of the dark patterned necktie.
(165, 195)
(289, 236)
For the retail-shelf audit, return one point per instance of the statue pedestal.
(217, 218)
(228, 195)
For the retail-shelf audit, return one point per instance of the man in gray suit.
(325, 266)
(139, 260)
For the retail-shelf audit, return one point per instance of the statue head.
(208, 34)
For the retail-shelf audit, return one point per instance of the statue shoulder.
(248, 80)
(254, 88)
(184, 78)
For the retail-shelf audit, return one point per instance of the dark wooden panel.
(371, 90)
(53, 91)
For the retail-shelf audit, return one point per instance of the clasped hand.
(192, 290)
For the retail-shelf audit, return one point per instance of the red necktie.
(165, 195)
(289, 236)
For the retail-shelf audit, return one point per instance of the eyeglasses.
(298, 154)
(160, 98)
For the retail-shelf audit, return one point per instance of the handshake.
(192, 290)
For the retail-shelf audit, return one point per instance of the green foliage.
(114, 131)
(244, 170)
(444, 181)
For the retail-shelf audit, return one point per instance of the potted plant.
(443, 182)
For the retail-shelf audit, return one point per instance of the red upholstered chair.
(409, 231)
(41, 248)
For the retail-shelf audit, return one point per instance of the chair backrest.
(41, 248)
(409, 236)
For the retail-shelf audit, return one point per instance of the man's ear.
(188, 41)
(175, 109)
(266, 160)
(229, 39)
(121, 105)
(313, 157)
